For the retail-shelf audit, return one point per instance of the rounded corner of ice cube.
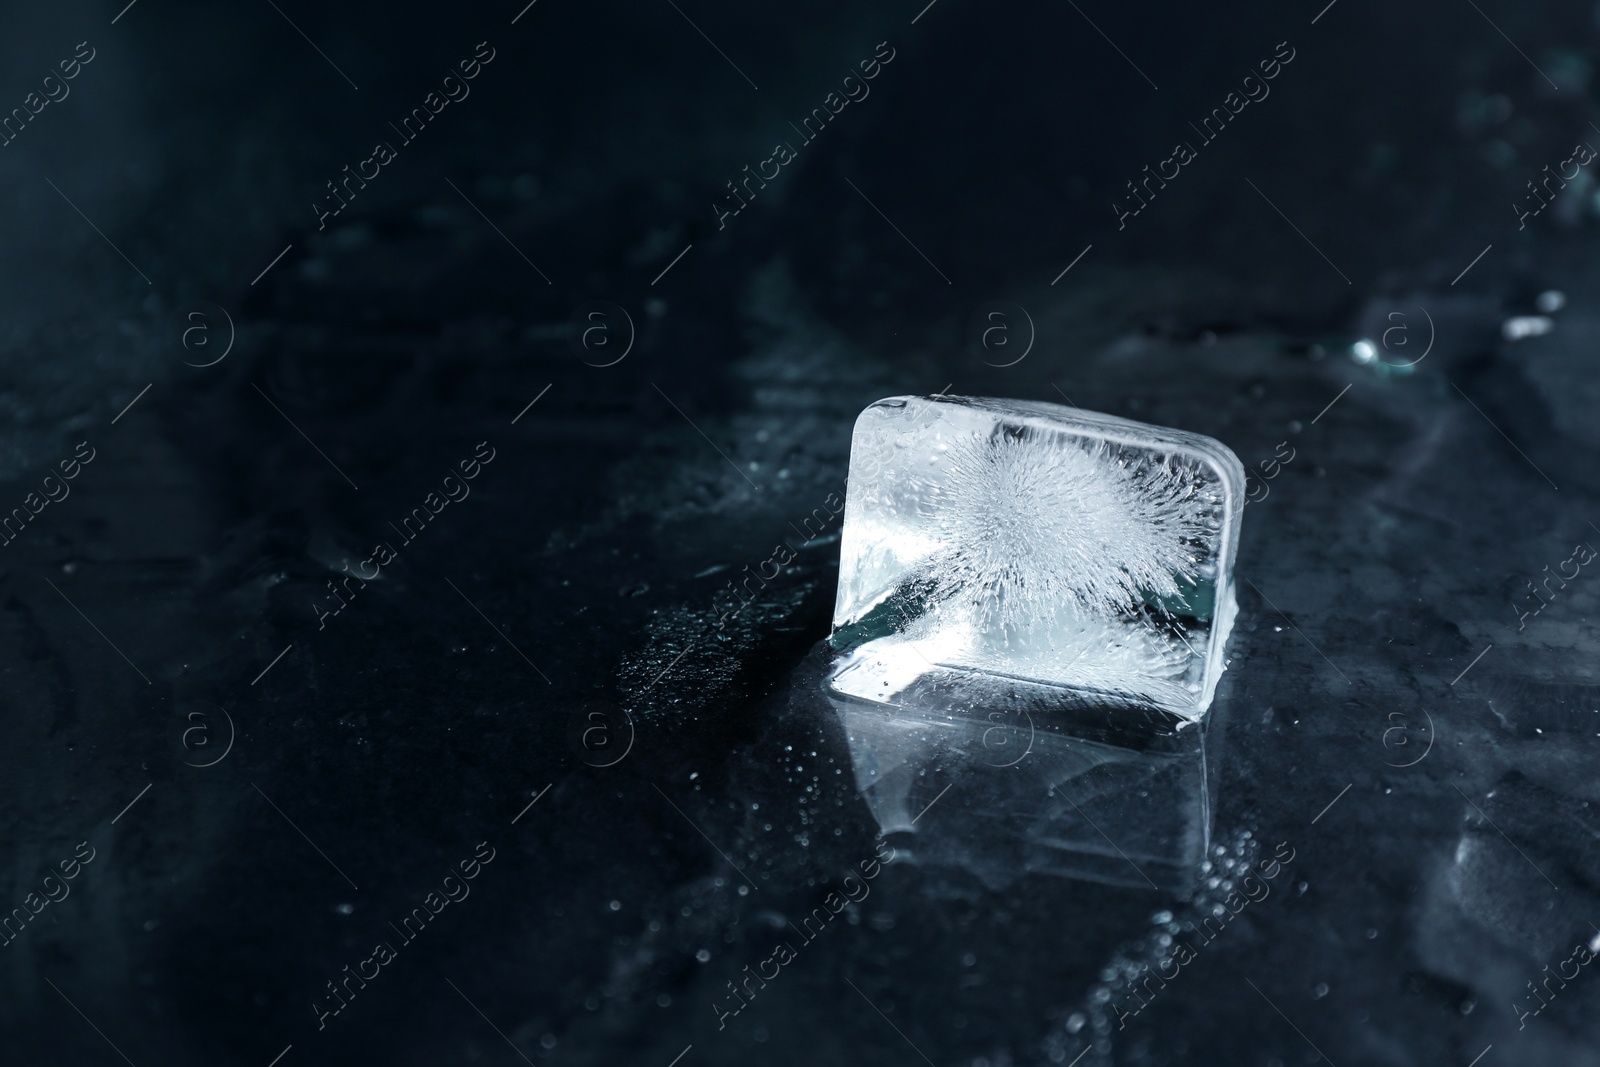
(1223, 460)
(886, 406)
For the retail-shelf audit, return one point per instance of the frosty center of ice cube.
(1017, 543)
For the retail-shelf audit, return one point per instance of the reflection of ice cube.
(1022, 785)
(1030, 542)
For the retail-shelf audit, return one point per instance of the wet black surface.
(264, 788)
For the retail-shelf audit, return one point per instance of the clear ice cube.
(1014, 547)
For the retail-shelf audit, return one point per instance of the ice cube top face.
(1008, 542)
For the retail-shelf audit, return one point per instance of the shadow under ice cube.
(1007, 546)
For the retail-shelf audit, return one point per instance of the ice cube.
(994, 546)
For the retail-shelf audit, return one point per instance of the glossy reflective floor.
(375, 690)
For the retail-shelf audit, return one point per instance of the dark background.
(580, 576)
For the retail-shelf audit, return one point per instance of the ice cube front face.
(1022, 544)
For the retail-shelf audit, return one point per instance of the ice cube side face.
(1025, 544)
